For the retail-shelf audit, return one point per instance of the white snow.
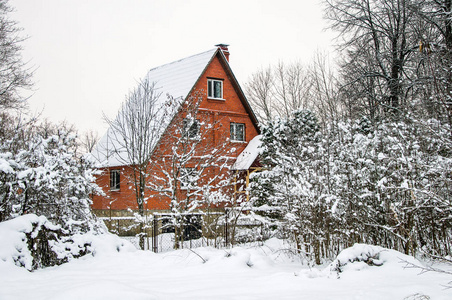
(13, 240)
(363, 256)
(258, 272)
(248, 155)
(5, 165)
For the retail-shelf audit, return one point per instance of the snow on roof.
(249, 155)
(175, 79)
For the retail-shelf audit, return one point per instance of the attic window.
(214, 89)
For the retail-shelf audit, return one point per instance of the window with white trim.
(237, 132)
(115, 179)
(214, 89)
(187, 178)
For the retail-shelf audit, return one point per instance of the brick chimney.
(224, 48)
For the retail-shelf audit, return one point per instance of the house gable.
(233, 108)
(222, 114)
(174, 80)
(234, 98)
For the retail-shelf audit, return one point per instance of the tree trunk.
(317, 251)
(141, 211)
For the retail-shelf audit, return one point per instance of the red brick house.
(209, 118)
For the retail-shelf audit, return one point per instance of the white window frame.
(211, 86)
(115, 186)
(185, 185)
(233, 131)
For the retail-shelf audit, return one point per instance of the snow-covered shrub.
(362, 256)
(41, 173)
(386, 184)
(34, 242)
(249, 230)
(358, 253)
(292, 192)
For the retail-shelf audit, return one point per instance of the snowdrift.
(362, 256)
(254, 272)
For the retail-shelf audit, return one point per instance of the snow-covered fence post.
(226, 233)
(155, 234)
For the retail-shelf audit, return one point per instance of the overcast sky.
(89, 53)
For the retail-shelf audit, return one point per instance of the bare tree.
(324, 95)
(435, 13)
(259, 90)
(291, 88)
(135, 132)
(279, 90)
(435, 57)
(282, 89)
(13, 73)
(89, 140)
(13, 76)
(377, 39)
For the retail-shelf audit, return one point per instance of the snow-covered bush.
(41, 174)
(358, 253)
(292, 192)
(362, 256)
(34, 242)
(44, 175)
(386, 184)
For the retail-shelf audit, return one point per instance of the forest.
(359, 149)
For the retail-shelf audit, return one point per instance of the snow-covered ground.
(208, 273)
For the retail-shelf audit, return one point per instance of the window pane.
(186, 128)
(237, 132)
(194, 129)
(240, 132)
(217, 89)
(191, 128)
(114, 180)
(214, 89)
(209, 88)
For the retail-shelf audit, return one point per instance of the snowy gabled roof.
(175, 79)
(249, 155)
